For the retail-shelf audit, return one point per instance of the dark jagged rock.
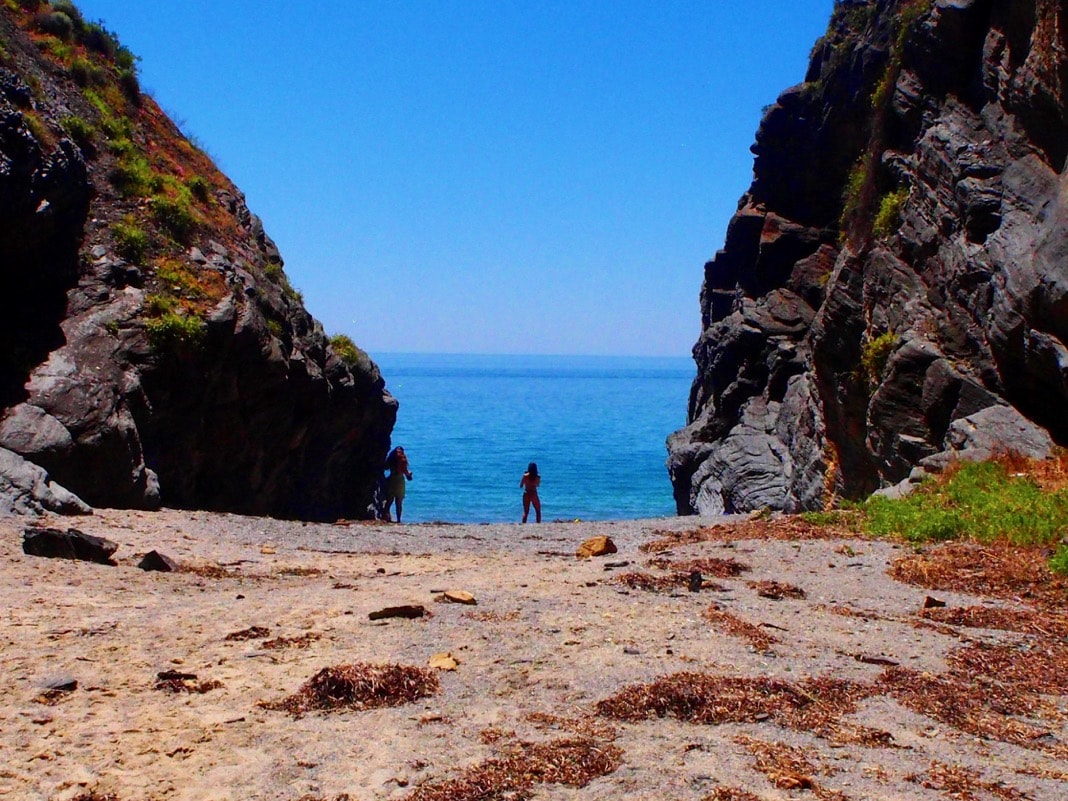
(152, 350)
(894, 287)
(158, 562)
(70, 544)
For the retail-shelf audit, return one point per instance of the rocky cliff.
(894, 286)
(152, 349)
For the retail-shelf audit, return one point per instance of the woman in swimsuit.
(397, 462)
(530, 482)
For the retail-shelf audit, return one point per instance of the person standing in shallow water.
(530, 483)
(397, 462)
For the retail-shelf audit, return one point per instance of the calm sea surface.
(596, 426)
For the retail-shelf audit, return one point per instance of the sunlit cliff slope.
(152, 349)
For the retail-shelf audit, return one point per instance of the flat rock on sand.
(553, 646)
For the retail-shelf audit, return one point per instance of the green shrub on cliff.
(82, 132)
(889, 214)
(874, 356)
(131, 241)
(70, 10)
(55, 23)
(132, 176)
(175, 215)
(174, 332)
(86, 73)
(347, 350)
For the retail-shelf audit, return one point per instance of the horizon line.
(373, 353)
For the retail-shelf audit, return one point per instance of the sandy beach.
(811, 654)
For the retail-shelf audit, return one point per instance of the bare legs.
(400, 506)
(529, 500)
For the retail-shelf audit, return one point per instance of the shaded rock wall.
(898, 264)
(249, 409)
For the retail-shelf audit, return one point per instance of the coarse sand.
(723, 660)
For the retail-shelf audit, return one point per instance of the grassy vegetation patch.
(81, 132)
(39, 130)
(175, 215)
(132, 176)
(976, 500)
(87, 73)
(172, 332)
(181, 279)
(157, 305)
(131, 241)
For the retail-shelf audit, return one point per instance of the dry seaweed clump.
(650, 583)
(574, 762)
(359, 686)
(788, 768)
(301, 641)
(209, 571)
(587, 726)
(776, 590)
(727, 623)
(999, 571)
(782, 528)
(1024, 621)
(813, 705)
(709, 566)
(731, 794)
(1038, 668)
(189, 685)
(985, 711)
(960, 782)
(251, 633)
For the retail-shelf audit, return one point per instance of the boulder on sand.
(70, 544)
(596, 546)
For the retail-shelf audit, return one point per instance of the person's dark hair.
(391, 460)
(532, 469)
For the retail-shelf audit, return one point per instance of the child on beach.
(530, 482)
(397, 462)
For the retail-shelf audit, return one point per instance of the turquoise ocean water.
(596, 426)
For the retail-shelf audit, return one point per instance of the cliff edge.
(152, 350)
(893, 289)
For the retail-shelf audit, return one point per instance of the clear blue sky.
(482, 177)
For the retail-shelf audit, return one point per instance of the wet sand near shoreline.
(556, 660)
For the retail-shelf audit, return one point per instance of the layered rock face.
(894, 286)
(152, 350)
